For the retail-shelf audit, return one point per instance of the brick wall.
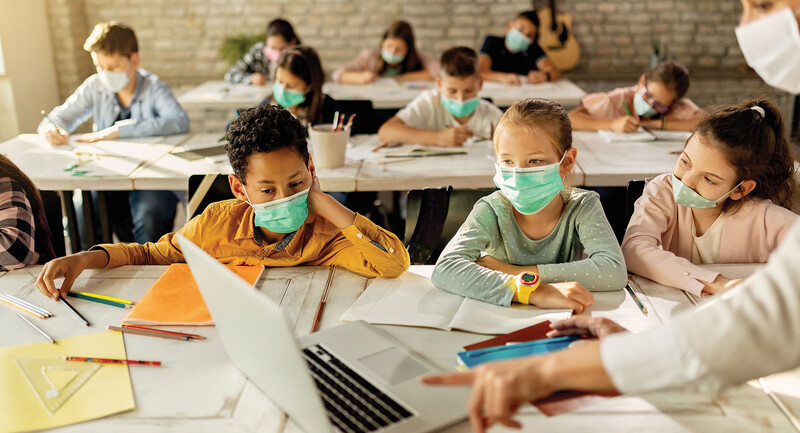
(179, 39)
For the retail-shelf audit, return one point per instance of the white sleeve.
(419, 113)
(752, 331)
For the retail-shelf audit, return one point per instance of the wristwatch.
(527, 283)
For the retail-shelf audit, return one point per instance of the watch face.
(529, 278)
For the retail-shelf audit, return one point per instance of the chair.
(433, 217)
(366, 121)
(205, 189)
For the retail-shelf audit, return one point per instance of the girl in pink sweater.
(726, 201)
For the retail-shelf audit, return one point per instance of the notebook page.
(641, 134)
(484, 318)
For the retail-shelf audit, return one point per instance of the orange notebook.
(175, 299)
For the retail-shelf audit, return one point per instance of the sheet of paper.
(671, 135)
(107, 392)
(640, 135)
(484, 318)
(620, 307)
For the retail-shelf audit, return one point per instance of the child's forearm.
(330, 209)
(397, 132)
(583, 121)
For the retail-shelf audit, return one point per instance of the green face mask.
(458, 108)
(285, 215)
(287, 98)
(529, 189)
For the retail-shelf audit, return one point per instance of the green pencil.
(635, 298)
(102, 301)
(625, 106)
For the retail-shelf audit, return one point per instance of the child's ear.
(480, 83)
(439, 84)
(311, 167)
(237, 188)
(745, 188)
(641, 80)
(135, 59)
(570, 156)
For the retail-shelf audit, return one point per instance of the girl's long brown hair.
(42, 239)
(402, 30)
(304, 62)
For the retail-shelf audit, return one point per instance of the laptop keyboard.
(352, 403)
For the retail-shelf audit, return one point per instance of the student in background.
(298, 86)
(727, 201)
(124, 101)
(526, 243)
(258, 65)
(657, 101)
(449, 114)
(397, 57)
(279, 217)
(504, 59)
(24, 234)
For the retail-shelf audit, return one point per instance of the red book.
(536, 332)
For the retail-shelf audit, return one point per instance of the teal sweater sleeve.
(603, 269)
(456, 270)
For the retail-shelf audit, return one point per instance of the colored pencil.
(27, 304)
(21, 308)
(636, 298)
(107, 298)
(350, 121)
(74, 311)
(101, 301)
(322, 301)
(147, 333)
(335, 121)
(39, 330)
(341, 123)
(163, 331)
(112, 361)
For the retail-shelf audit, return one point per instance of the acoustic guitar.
(556, 38)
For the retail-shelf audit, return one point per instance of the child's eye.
(709, 181)
(535, 161)
(685, 162)
(296, 184)
(267, 191)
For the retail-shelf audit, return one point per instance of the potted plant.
(235, 47)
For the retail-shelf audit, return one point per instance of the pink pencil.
(113, 361)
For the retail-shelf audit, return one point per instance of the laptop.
(349, 378)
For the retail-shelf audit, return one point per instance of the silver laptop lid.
(271, 359)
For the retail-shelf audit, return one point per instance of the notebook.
(641, 134)
(535, 332)
(175, 300)
(470, 358)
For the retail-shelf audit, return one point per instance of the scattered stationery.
(25, 306)
(39, 330)
(471, 358)
(636, 298)
(412, 300)
(163, 331)
(137, 331)
(41, 391)
(112, 361)
(74, 311)
(535, 332)
(322, 301)
(641, 134)
(81, 295)
(175, 300)
(106, 297)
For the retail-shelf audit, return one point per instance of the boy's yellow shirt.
(226, 231)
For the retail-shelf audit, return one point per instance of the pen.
(74, 311)
(335, 121)
(49, 338)
(112, 361)
(636, 298)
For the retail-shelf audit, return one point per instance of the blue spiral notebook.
(471, 358)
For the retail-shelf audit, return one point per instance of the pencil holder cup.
(327, 147)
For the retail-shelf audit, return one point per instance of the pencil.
(21, 308)
(147, 333)
(322, 301)
(107, 298)
(101, 301)
(335, 121)
(47, 116)
(112, 361)
(74, 311)
(28, 305)
(350, 121)
(163, 331)
(625, 106)
(47, 337)
(636, 298)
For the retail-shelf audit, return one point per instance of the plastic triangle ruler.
(52, 397)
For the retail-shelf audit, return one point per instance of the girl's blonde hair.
(540, 114)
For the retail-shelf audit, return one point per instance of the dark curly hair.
(263, 129)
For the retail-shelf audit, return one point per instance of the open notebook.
(412, 300)
(640, 134)
(175, 299)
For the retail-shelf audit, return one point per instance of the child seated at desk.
(24, 234)
(279, 217)
(258, 65)
(504, 59)
(397, 57)
(726, 201)
(124, 101)
(657, 101)
(449, 114)
(534, 241)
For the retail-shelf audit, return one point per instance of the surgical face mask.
(771, 46)
(688, 197)
(113, 81)
(391, 58)
(285, 215)
(287, 98)
(529, 189)
(516, 41)
(272, 54)
(458, 108)
(642, 107)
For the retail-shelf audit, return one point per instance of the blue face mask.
(284, 215)
(458, 108)
(287, 98)
(516, 41)
(391, 58)
(642, 107)
(688, 197)
(529, 189)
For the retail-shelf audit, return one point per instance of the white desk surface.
(563, 91)
(219, 95)
(606, 163)
(199, 390)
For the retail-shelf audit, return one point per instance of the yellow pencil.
(107, 298)
(20, 307)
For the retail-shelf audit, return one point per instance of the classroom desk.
(219, 95)
(606, 163)
(199, 390)
(563, 91)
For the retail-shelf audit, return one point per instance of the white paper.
(640, 135)
(671, 135)
(483, 318)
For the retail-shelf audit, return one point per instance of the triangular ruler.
(43, 374)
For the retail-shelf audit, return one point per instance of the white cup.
(328, 147)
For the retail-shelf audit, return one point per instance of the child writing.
(24, 234)
(397, 57)
(298, 86)
(504, 59)
(726, 201)
(449, 114)
(657, 101)
(526, 242)
(279, 217)
(258, 65)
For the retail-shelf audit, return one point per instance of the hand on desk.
(454, 136)
(258, 79)
(364, 77)
(110, 133)
(510, 79)
(585, 325)
(56, 136)
(562, 295)
(721, 285)
(69, 268)
(625, 124)
(536, 77)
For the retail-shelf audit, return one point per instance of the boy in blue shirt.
(124, 101)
